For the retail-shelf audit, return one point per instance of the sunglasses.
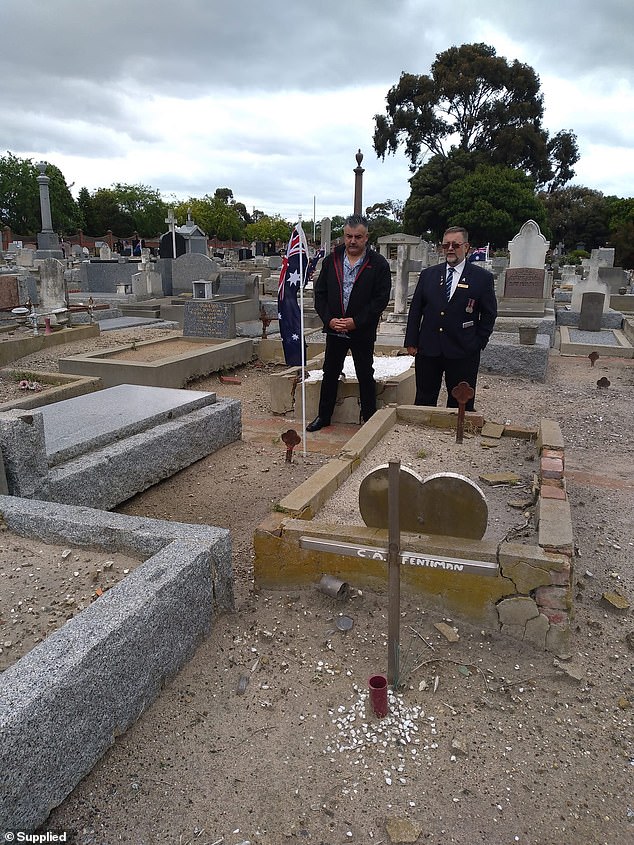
(452, 245)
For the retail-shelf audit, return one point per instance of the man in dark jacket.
(450, 320)
(351, 293)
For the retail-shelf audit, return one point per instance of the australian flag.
(289, 314)
(481, 254)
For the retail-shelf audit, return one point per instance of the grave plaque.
(454, 506)
(524, 283)
(373, 498)
(591, 314)
(209, 319)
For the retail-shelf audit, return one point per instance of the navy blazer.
(454, 329)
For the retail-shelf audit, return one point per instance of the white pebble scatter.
(359, 733)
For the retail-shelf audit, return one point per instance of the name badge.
(468, 324)
(462, 286)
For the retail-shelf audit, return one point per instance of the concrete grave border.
(18, 347)
(170, 371)
(64, 703)
(622, 349)
(66, 388)
(109, 471)
(531, 596)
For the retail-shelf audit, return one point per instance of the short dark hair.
(354, 220)
(456, 229)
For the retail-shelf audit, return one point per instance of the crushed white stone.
(384, 367)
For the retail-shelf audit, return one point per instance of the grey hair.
(354, 220)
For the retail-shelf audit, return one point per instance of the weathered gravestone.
(52, 290)
(525, 278)
(9, 297)
(206, 318)
(192, 267)
(591, 315)
(446, 503)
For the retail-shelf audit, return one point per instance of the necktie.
(448, 282)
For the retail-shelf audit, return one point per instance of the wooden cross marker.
(462, 392)
(593, 357)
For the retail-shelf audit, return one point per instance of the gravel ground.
(489, 741)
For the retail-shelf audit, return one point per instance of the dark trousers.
(363, 356)
(430, 370)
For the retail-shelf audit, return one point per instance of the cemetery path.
(491, 741)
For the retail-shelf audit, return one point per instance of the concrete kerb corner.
(63, 704)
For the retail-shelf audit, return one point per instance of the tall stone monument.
(358, 184)
(47, 240)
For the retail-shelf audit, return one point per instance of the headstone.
(605, 255)
(373, 503)
(192, 267)
(25, 257)
(167, 243)
(591, 315)
(52, 290)
(238, 283)
(326, 235)
(453, 505)
(9, 294)
(105, 253)
(526, 285)
(569, 275)
(207, 318)
(528, 248)
(590, 284)
(446, 503)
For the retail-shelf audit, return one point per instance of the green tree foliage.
(103, 213)
(224, 194)
(124, 209)
(144, 205)
(215, 217)
(336, 226)
(428, 208)
(578, 215)
(493, 203)
(20, 197)
(475, 101)
(268, 228)
(622, 239)
(620, 211)
(384, 218)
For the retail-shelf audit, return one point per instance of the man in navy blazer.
(450, 320)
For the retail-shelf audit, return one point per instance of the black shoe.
(316, 424)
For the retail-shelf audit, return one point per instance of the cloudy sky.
(273, 99)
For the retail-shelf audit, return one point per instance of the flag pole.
(301, 329)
